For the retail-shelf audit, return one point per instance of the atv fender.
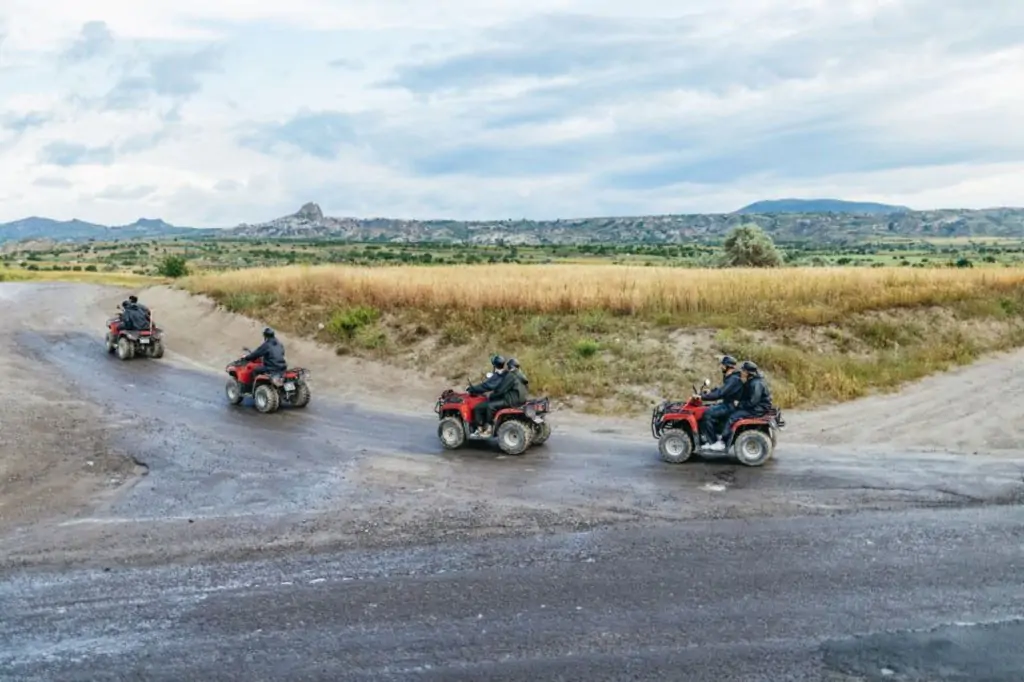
(685, 422)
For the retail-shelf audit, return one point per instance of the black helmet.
(512, 363)
(497, 361)
(728, 361)
(749, 367)
(268, 333)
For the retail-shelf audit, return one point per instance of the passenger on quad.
(489, 384)
(271, 352)
(729, 392)
(755, 401)
(511, 392)
(513, 365)
(134, 300)
(132, 317)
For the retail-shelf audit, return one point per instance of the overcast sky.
(214, 112)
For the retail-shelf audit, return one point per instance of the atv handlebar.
(696, 391)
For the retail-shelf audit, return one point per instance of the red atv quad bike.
(268, 391)
(517, 428)
(674, 424)
(130, 343)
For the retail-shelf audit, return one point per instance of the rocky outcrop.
(310, 212)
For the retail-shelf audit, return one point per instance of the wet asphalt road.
(875, 597)
(751, 599)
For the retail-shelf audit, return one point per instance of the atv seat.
(774, 413)
(539, 404)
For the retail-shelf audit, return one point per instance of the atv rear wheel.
(675, 446)
(266, 399)
(302, 395)
(157, 350)
(514, 437)
(125, 349)
(753, 448)
(233, 390)
(541, 433)
(451, 433)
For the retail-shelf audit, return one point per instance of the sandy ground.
(974, 409)
(56, 455)
(62, 455)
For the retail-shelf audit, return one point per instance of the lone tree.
(173, 266)
(748, 246)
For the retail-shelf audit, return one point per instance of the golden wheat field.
(811, 295)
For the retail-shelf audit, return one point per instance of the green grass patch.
(345, 324)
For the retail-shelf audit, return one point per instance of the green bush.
(586, 348)
(173, 266)
(345, 323)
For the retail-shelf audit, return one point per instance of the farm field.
(143, 257)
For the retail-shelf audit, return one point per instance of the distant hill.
(79, 230)
(311, 223)
(820, 206)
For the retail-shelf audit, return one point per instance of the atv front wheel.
(514, 437)
(111, 346)
(675, 446)
(266, 399)
(541, 433)
(125, 349)
(753, 448)
(302, 395)
(451, 433)
(233, 390)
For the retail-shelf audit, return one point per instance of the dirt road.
(107, 464)
(226, 480)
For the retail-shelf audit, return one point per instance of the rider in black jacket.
(755, 401)
(510, 392)
(492, 381)
(729, 392)
(134, 300)
(486, 386)
(271, 351)
(132, 317)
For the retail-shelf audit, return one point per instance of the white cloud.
(239, 110)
